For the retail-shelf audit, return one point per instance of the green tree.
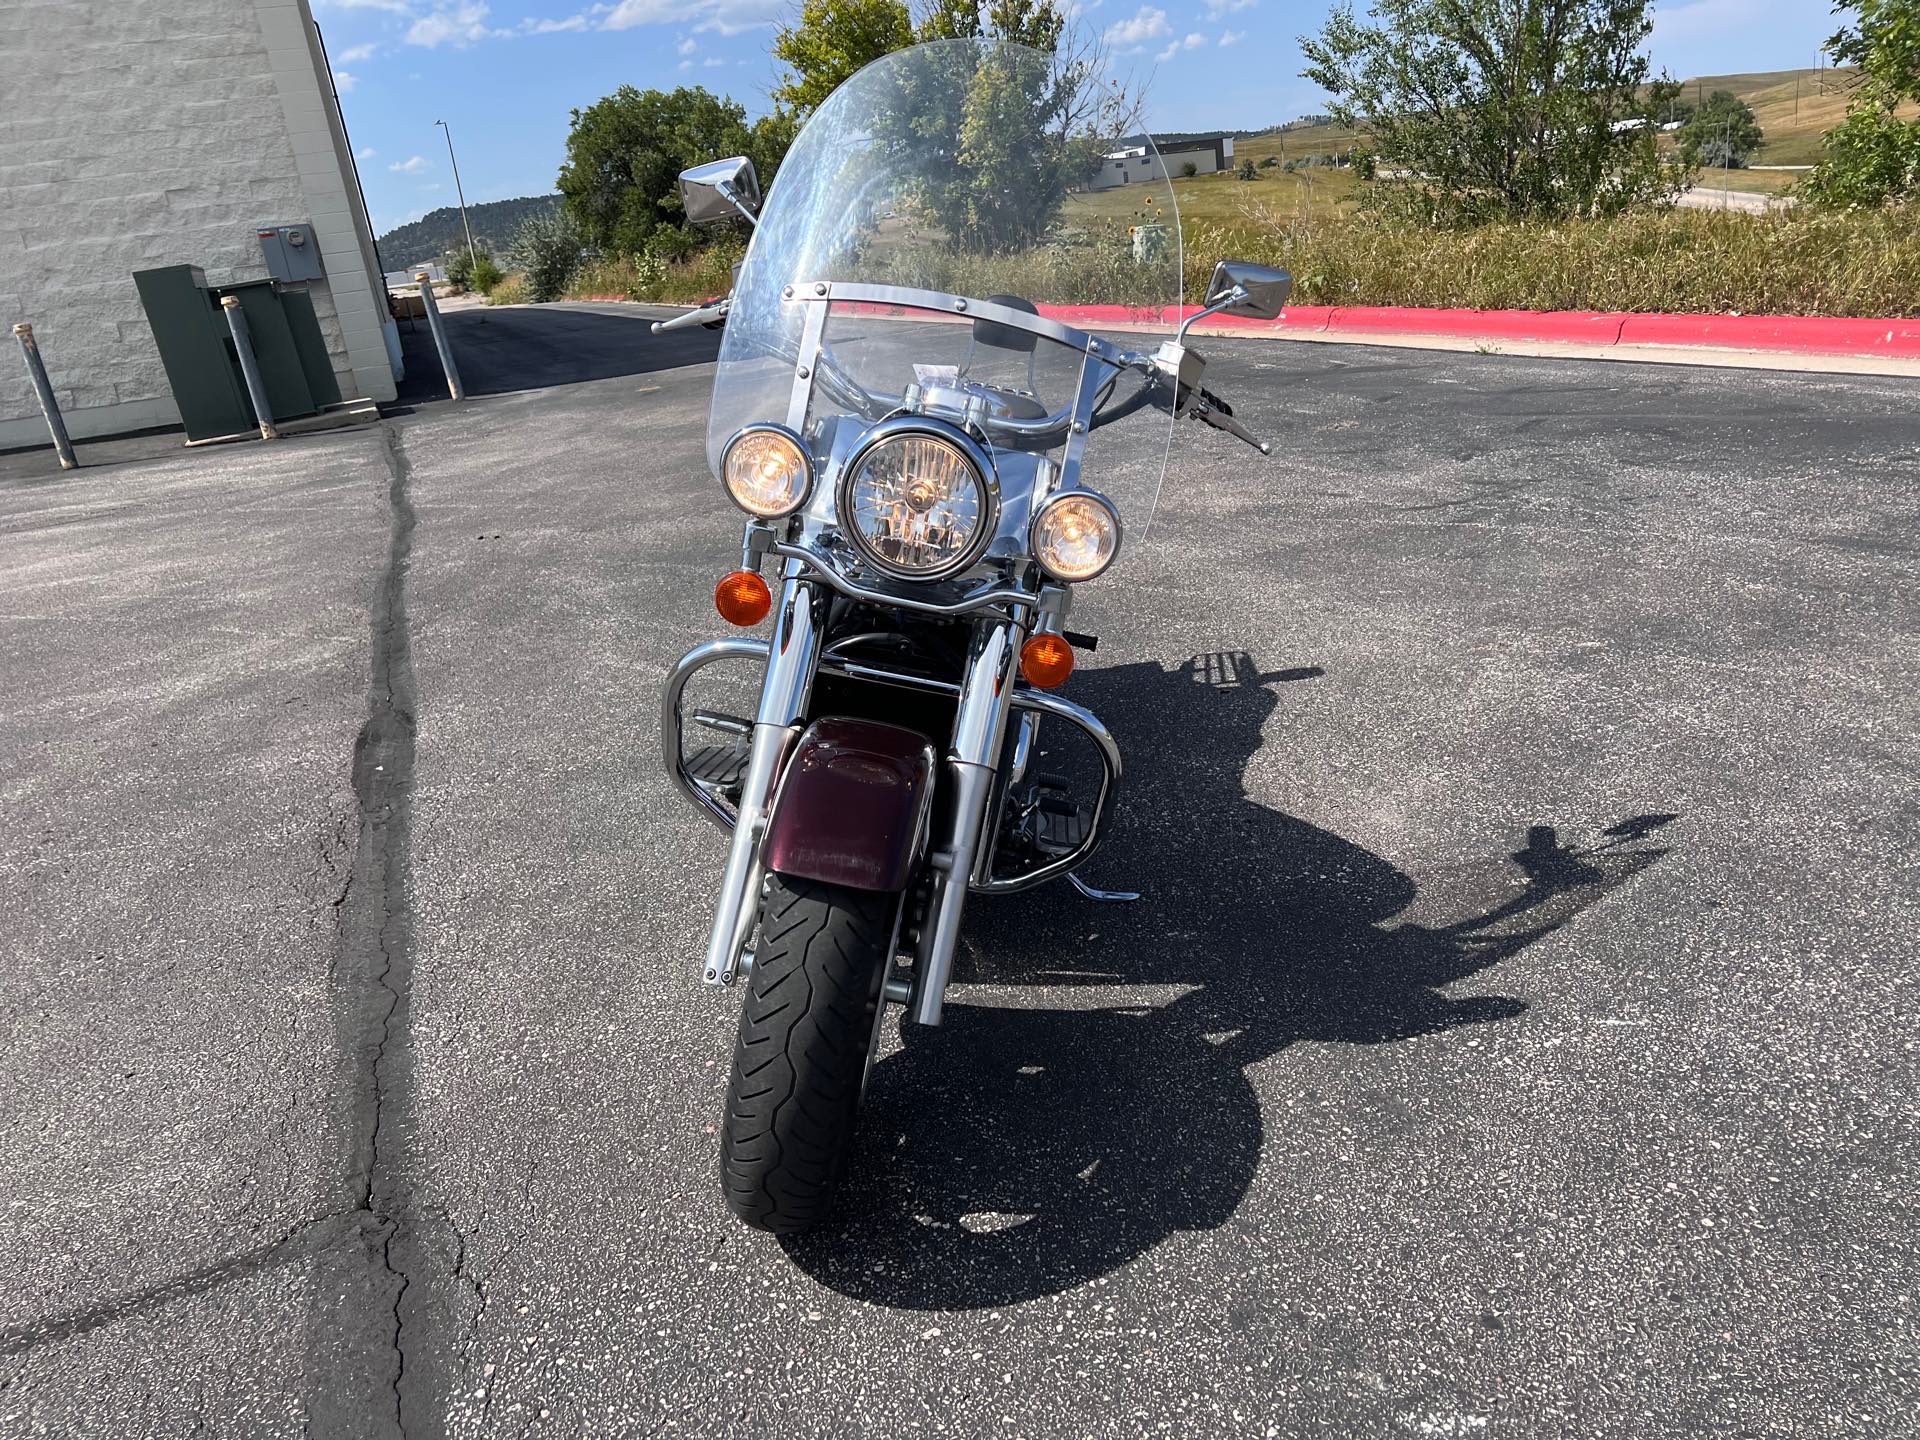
(1722, 132)
(1873, 156)
(625, 154)
(1246, 170)
(831, 40)
(1503, 108)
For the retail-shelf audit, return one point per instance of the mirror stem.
(726, 193)
(1232, 297)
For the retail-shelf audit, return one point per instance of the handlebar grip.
(698, 316)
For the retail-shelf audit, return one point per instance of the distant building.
(1138, 163)
(141, 135)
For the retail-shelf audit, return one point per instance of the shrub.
(510, 291)
(1189, 170)
(1269, 162)
(458, 266)
(546, 250)
(1246, 171)
(485, 275)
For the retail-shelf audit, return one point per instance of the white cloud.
(366, 152)
(1231, 37)
(687, 45)
(392, 7)
(728, 17)
(1148, 24)
(686, 64)
(459, 23)
(1217, 8)
(553, 27)
(1192, 41)
(412, 165)
(354, 54)
(712, 62)
(343, 82)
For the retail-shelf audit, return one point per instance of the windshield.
(932, 208)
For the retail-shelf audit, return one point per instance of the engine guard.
(852, 806)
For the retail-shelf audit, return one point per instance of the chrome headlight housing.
(1076, 535)
(767, 471)
(919, 499)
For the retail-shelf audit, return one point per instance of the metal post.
(50, 407)
(435, 324)
(472, 257)
(249, 367)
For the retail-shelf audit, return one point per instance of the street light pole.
(472, 257)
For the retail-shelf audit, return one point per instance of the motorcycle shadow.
(1036, 1142)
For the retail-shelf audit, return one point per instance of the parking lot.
(1515, 1039)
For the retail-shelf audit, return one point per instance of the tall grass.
(702, 275)
(1799, 262)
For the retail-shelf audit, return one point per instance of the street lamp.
(472, 257)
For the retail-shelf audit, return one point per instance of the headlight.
(1076, 535)
(918, 499)
(766, 471)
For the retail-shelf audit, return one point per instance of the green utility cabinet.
(196, 348)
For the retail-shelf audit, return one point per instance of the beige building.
(141, 133)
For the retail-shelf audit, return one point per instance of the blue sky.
(505, 73)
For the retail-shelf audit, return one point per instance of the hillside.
(438, 232)
(1795, 109)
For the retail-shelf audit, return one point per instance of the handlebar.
(703, 315)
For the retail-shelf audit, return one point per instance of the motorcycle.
(930, 465)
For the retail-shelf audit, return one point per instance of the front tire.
(794, 1098)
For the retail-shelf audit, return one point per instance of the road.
(1516, 1038)
(1709, 196)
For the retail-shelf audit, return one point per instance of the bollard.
(48, 405)
(249, 367)
(434, 323)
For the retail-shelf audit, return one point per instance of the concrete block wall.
(159, 133)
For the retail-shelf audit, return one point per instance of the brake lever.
(1210, 408)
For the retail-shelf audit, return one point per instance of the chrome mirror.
(1257, 292)
(1239, 287)
(720, 190)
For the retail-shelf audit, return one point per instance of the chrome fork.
(792, 656)
(979, 729)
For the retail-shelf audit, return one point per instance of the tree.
(832, 40)
(1246, 171)
(1723, 131)
(625, 154)
(1873, 156)
(1503, 108)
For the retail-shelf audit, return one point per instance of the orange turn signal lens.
(742, 598)
(1046, 661)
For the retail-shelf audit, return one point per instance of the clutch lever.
(1210, 408)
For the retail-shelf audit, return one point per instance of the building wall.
(163, 132)
(1135, 169)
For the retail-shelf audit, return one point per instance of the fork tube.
(979, 729)
(792, 655)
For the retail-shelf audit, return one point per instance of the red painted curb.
(1790, 334)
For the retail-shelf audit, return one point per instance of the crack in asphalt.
(307, 1239)
(372, 978)
(375, 945)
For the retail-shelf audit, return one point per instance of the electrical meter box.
(291, 252)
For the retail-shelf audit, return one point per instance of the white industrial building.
(144, 133)
(1139, 163)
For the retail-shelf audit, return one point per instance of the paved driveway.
(1516, 1037)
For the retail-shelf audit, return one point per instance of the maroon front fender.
(851, 805)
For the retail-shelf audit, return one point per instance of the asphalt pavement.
(1515, 1038)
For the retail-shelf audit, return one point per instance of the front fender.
(852, 805)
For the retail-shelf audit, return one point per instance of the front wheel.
(813, 999)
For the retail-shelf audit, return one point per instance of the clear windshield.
(961, 176)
